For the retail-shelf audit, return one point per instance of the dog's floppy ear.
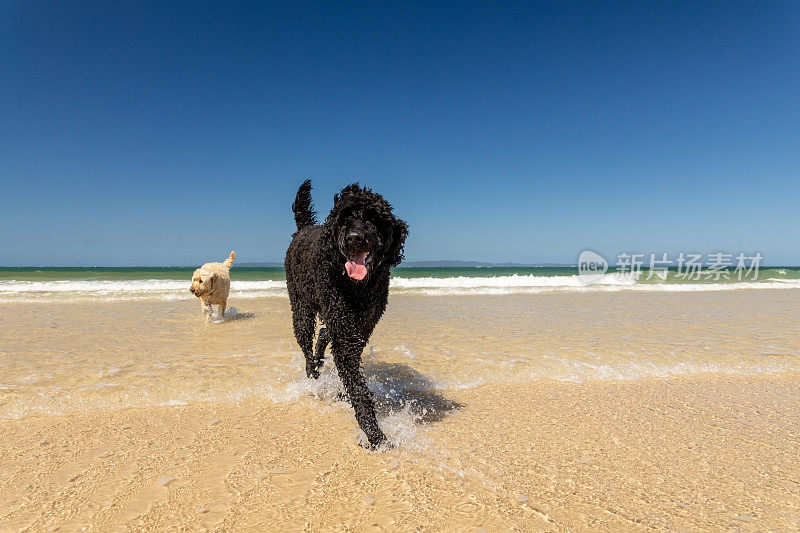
(398, 231)
(211, 279)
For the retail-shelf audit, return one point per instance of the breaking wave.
(160, 289)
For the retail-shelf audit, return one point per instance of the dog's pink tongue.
(355, 266)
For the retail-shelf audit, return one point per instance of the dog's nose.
(354, 239)
(191, 290)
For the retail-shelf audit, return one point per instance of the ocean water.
(171, 283)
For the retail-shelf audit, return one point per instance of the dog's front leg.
(347, 358)
(207, 311)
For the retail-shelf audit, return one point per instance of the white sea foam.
(563, 369)
(513, 281)
(154, 289)
(399, 419)
(120, 290)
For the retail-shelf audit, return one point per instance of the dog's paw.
(380, 445)
(341, 397)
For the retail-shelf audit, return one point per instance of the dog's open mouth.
(356, 265)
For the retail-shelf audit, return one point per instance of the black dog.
(340, 271)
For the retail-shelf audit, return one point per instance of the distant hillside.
(267, 264)
(473, 264)
(426, 264)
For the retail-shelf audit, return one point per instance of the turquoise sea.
(171, 283)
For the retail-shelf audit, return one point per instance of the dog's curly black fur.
(325, 275)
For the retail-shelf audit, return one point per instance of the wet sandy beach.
(556, 412)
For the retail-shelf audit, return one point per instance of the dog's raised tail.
(303, 209)
(229, 261)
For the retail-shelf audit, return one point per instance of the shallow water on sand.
(61, 358)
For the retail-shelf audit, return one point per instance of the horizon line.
(276, 264)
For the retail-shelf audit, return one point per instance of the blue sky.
(162, 133)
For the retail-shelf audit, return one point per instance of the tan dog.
(211, 283)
